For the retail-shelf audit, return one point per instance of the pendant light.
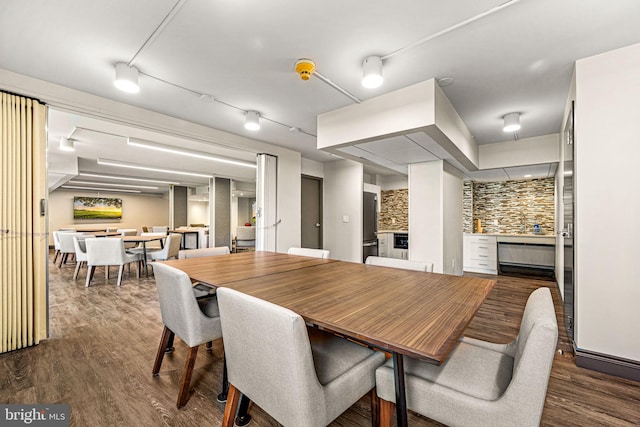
(372, 72)
(252, 120)
(126, 78)
(66, 144)
(511, 122)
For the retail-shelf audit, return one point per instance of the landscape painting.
(97, 208)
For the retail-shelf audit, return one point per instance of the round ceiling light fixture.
(252, 120)
(511, 122)
(372, 72)
(126, 78)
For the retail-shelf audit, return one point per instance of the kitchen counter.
(393, 231)
(539, 239)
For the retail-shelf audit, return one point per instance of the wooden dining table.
(405, 313)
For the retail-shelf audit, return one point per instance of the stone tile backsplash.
(394, 210)
(509, 206)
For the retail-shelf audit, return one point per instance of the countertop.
(520, 238)
(393, 231)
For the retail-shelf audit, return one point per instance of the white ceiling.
(242, 53)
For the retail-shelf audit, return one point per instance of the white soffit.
(398, 149)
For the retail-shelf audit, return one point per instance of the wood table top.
(222, 269)
(418, 314)
(141, 238)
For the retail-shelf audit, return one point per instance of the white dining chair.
(66, 246)
(399, 263)
(80, 251)
(128, 232)
(106, 252)
(315, 253)
(202, 252)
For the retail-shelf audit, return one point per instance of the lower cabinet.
(480, 254)
(383, 244)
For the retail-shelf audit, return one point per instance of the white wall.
(136, 210)
(392, 182)
(289, 187)
(607, 182)
(197, 212)
(312, 168)
(343, 197)
(452, 183)
(526, 151)
(425, 213)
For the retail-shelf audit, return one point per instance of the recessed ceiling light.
(123, 178)
(445, 81)
(117, 190)
(110, 184)
(168, 149)
(116, 163)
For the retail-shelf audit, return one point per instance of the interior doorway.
(311, 209)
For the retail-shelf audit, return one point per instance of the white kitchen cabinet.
(383, 244)
(480, 254)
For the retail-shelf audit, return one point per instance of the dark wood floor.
(103, 342)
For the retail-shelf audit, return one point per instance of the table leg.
(144, 257)
(401, 395)
(198, 240)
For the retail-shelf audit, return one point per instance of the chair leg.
(183, 394)
(55, 255)
(375, 408)
(75, 274)
(222, 397)
(167, 334)
(138, 270)
(387, 410)
(231, 407)
(120, 273)
(90, 270)
(106, 273)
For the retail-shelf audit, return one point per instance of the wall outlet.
(345, 218)
(495, 222)
(393, 220)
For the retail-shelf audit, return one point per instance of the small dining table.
(184, 233)
(104, 233)
(143, 240)
(405, 313)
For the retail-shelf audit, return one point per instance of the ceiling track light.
(372, 72)
(126, 78)
(124, 178)
(511, 122)
(252, 120)
(66, 144)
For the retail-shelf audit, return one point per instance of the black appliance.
(369, 225)
(400, 240)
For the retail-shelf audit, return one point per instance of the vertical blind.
(23, 242)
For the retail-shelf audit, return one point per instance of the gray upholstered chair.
(315, 253)
(481, 383)
(128, 232)
(108, 251)
(56, 246)
(81, 252)
(170, 249)
(301, 378)
(245, 238)
(197, 253)
(399, 263)
(182, 315)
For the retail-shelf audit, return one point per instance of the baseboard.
(625, 368)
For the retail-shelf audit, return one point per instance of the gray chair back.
(269, 358)
(80, 246)
(197, 253)
(179, 308)
(315, 253)
(66, 241)
(399, 263)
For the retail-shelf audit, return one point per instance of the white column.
(266, 200)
